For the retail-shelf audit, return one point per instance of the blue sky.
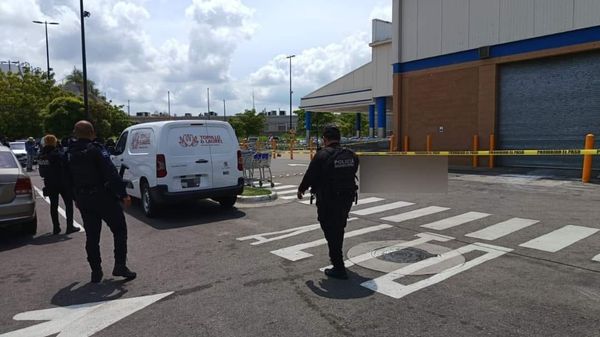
(139, 49)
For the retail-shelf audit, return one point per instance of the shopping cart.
(257, 161)
(262, 163)
(248, 164)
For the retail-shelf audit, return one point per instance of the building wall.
(382, 70)
(428, 28)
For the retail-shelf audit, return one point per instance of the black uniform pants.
(68, 200)
(94, 208)
(333, 216)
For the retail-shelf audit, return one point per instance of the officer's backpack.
(340, 169)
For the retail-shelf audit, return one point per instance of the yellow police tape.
(574, 152)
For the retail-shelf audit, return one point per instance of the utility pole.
(84, 14)
(169, 103)
(128, 109)
(224, 112)
(253, 106)
(291, 92)
(208, 101)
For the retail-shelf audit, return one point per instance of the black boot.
(73, 229)
(97, 275)
(56, 231)
(123, 271)
(337, 272)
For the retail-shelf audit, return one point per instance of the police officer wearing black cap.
(98, 188)
(331, 176)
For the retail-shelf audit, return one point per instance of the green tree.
(238, 126)
(62, 114)
(347, 124)
(319, 120)
(253, 123)
(23, 97)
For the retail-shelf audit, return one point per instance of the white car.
(167, 162)
(18, 148)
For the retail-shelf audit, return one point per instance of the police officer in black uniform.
(98, 188)
(331, 177)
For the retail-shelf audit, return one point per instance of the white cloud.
(127, 64)
(382, 12)
(311, 69)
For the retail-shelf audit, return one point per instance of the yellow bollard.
(429, 143)
(588, 159)
(475, 148)
(311, 148)
(274, 148)
(492, 148)
(392, 139)
(406, 145)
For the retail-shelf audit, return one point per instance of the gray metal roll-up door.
(549, 103)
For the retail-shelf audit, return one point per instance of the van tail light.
(240, 161)
(23, 186)
(161, 166)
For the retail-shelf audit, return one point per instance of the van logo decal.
(188, 140)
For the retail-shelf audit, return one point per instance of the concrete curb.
(257, 199)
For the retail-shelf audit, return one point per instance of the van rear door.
(224, 147)
(187, 156)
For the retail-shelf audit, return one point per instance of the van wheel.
(227, 202)
(148, 203)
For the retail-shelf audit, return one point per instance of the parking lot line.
(60, 210)
(502, 229)
(456, 221)
(560, 238)
(415, 214)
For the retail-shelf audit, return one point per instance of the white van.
(180, 160)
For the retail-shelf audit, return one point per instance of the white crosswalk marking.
(560, 238)
(502, 229)
(423, 238)
(360, 201)
(289, 197)
(287, 192)
(415, 214)
(283, 187)
(386, 285)
(295, 253)
(382, 208)
(456, 221)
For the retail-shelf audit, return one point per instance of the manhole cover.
(406, 255)
(396, 256)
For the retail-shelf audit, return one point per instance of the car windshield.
(17, 146)
(7, 160)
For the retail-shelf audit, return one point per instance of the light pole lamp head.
(86, 14)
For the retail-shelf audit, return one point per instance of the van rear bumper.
(161, 193)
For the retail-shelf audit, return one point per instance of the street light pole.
(84, 14)
(208, 101)
(169, 103)
(291, 92)
(46, 23)
(224, 112)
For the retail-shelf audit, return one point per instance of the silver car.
(17, 199)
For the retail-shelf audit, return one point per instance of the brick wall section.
(462, 98)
